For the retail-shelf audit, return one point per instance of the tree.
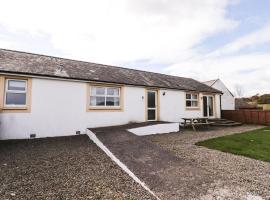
(239, 91)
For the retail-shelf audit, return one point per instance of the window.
(192, 100)
(15, 93)
(105, 97)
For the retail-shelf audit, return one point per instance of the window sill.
(14, 109)
(105, 109)
(190, 108)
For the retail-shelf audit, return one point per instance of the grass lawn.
(254, 144)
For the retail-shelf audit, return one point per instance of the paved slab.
(169, 176)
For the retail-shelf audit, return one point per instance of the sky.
(200, 39)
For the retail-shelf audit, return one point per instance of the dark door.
(205, 112)
(151, 105)
(208, 106)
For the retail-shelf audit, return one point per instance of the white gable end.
(227, 99)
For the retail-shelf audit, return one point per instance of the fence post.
(245, 117)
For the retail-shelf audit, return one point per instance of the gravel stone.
(62, 168)
(237, 177)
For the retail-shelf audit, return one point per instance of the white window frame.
(192, 100)
(15, 92)
(105, 95)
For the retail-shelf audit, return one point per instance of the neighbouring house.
(254, 102)
(264, 106)
(45, 96)
(241, 104)
(227, 98)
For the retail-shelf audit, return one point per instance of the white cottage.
(45, 96)
(227, 98)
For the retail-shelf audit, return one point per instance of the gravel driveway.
(62, 168)
(237, 177)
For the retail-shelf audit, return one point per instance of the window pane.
(188, 103)
(97, 101)
(15, 99)
(194, 103)
(97, 91)
(188, 96)
(151, 99)
(151, 114)
(194, 96)
(113, 91)
(112, 101)
(16, 85)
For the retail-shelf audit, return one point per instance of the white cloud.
(6, 44)
(159, 31)
(119, 31)
(258, 37)
(250, 70)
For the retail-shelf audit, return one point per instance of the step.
(227, 124)
(217, 119)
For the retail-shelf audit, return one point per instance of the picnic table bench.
(195, 122)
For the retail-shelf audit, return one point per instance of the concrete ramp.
(168, 176)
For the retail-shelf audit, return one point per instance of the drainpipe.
(220, 105)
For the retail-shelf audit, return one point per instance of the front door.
(208, 106)
(151, 105)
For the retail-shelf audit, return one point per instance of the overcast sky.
(201, 39)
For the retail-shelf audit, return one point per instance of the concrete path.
(170, 177)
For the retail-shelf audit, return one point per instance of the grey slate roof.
(49, 66)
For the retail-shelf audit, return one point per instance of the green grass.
(254, 144)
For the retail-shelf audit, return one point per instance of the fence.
(247, 116)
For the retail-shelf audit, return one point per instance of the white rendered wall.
(227, 100)
(217, 101)
(173, 109)
(59, 108)
(172, 106)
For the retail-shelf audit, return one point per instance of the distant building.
(240, 103)
(255, 102)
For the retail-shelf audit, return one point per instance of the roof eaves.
(89, 80)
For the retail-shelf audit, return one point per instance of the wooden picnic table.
(194, 122)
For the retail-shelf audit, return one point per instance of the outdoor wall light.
(142, 97)
(163, 93)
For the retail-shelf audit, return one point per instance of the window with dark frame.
(192, 100)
